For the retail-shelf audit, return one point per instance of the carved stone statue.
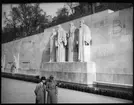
(61, 43)
(84, 42)
(71, 43)
(3, 63)
(53, 46)
(16, 62)
(13, 68)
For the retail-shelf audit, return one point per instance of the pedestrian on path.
(52, 90)
(40, 91)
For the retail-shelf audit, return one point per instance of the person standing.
(52, 90)
(40, 91)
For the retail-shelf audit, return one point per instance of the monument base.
(75, 72)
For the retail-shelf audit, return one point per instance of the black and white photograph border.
(67, 52)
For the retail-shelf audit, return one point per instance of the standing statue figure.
(53, 46)
(13, 68)
(16, 61)
(61, 43)
(71, 42)
(3, 63)
(84, 42)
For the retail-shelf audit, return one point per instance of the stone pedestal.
(75, 72)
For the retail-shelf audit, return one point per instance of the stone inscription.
(117, 26)
(101, 23)
(104, 50)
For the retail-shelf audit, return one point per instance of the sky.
(49, 8)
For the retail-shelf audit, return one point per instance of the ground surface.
(16, 91)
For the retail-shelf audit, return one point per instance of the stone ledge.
(113, 85)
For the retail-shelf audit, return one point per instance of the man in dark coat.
(52, 90)
(40, 91)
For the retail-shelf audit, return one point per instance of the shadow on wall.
(45, 55)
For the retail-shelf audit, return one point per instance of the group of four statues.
(60, 40)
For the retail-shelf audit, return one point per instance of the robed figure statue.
(71, 42)
(61, 43)
(53, 46)
(84, 42)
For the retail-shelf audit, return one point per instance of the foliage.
(62, 14)
(25, 20)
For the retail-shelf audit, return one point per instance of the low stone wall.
(29, 71)
(116, 78)
(80, 72)
(24, 71)
(74, 72)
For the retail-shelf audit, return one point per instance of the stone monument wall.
(111, 48)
